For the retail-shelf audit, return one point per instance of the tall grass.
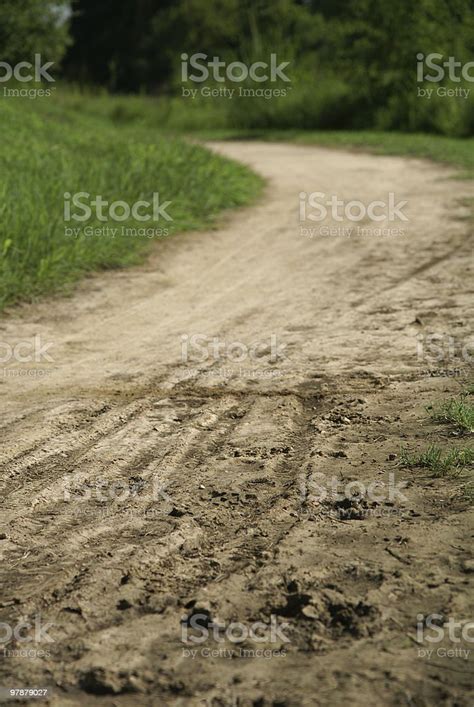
(127, 148)
(221, 119)
(49, 148)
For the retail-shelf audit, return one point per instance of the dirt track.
(218, 515)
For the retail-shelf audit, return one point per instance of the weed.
(439, 462)
(457, 411)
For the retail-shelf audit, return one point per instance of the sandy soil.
(218, 511)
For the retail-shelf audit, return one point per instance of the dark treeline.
(353, 63)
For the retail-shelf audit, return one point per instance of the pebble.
(468, 565)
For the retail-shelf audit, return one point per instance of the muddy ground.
(225, 510)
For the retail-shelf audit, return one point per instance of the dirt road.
(143, 482)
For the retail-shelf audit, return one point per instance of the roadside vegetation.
(456, 461)
(124, 94)
(206, 120)
(347, 65)
(50, 149)
(440, 462)
(456, 411)
(126, 148)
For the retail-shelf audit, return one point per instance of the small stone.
(310, 611)
(467, 565)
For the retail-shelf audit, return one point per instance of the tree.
(29, 27)
(113, 44)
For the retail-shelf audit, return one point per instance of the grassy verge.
(126, 149)
(50, 149)
(177, 116)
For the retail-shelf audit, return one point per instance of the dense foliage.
(353, 63)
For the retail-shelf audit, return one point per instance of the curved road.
(178, 451)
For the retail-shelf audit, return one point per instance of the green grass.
(456, 411)
(171, 115)
(127, 148)
(50, 147)
(458, 461)
(439, 462)
(176, 115)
